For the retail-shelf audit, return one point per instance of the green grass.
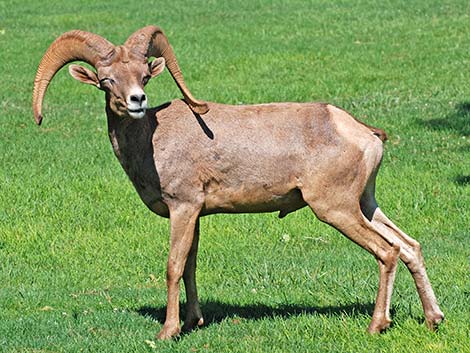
(82, 260)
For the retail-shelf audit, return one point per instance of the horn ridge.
(152, 41)
(75, 45)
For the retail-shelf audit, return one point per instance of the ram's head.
(121, 71)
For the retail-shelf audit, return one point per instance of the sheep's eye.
(146, 79)
(106, 82)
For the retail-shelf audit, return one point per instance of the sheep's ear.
(157, 66)
(84, 75)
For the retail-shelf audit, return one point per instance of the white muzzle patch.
(137, 103)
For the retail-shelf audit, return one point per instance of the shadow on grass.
(458, 121)
(462, 180)
(216, 312)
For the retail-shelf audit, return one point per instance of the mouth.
(136, 113)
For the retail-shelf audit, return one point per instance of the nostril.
(135, 99)
(138, 98)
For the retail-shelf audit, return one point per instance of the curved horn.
(151, 41)
(70, 46)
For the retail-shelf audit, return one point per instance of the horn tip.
(200, 109)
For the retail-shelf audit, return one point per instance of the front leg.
(193, 311)
(183, 219)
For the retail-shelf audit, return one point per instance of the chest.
(135, 154)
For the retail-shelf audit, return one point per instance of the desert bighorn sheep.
(247, 158)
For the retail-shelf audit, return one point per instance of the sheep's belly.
(253, 201)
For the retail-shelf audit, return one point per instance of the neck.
(130, 138)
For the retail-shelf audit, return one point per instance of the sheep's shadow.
(458, 120)
(215, 312)
(462, 180)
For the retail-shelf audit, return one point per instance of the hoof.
(379, 326)
(191, 324)
(434, 321)
(167, 333)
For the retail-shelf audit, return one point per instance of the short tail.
(382, 135)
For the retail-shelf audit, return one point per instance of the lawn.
(82, 260)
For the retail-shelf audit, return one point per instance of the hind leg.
(351, 222)
(414, 261)
(410, 254)
(381, 316)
